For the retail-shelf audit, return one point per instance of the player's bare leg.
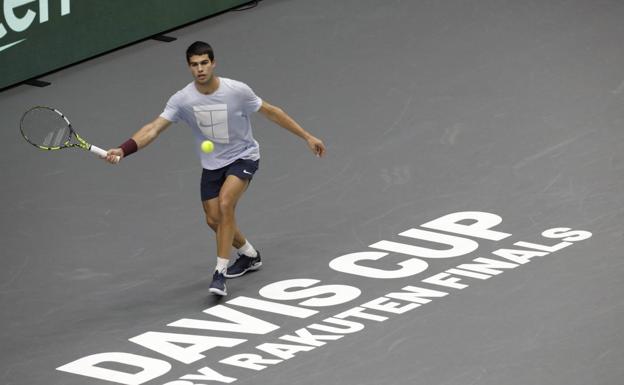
(220, 216)
(248, 257)
(231, 191)
(213, 219)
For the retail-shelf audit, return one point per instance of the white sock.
(248, 250)
(222, 264)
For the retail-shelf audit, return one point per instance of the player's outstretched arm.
(277, 115)
(144, 136)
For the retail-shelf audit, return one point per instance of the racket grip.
(100, 152)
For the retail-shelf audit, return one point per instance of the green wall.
(39, 36)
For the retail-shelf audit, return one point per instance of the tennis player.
(218, 109)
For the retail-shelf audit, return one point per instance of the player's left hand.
(316, 146)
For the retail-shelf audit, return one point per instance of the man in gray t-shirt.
(218, 109)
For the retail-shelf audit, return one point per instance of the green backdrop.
(40, 36)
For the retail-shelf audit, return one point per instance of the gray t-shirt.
(221, 117)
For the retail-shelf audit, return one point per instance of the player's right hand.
(114, 155)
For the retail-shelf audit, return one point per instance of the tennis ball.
(207, 146)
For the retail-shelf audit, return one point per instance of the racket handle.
(99, 152)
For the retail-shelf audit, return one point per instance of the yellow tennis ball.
(207, 146)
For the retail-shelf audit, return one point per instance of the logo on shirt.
(212, 121)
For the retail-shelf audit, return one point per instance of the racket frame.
(81, 143)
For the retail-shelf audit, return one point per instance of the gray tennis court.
(465, 227)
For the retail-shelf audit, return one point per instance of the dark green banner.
(39, 36)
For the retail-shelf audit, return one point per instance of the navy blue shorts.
(212, 180)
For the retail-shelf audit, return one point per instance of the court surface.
(428, 108)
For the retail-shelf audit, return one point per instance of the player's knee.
(213, 220)
(226, 205)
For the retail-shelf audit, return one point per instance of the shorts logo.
(212, 120)
(247, 172)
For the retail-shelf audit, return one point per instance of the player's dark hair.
(199, 48)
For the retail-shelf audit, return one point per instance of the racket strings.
(54, 139)
(45, 127)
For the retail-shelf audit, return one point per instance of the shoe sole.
(251, 268)
(216, 291)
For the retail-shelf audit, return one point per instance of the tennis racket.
(48, 129)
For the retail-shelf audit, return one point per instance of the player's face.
(202, 68)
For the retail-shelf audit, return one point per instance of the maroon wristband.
(128, 147)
